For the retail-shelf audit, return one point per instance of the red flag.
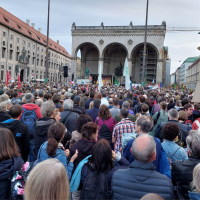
(147, 85)
(8, 77)
(155, 102)
(134, 86)
(87, 88)
(19, 82)
(96, 89)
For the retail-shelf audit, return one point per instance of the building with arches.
(110, 45)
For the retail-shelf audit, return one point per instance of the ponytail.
(52, 145)
(55, 134)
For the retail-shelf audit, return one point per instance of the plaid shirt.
(124, 126)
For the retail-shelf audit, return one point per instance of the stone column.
(100, 62)
(159, 71)
(73, 67)
(83, 66)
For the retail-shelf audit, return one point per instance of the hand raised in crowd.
(114, 155)
(74, 156)
(67, 152)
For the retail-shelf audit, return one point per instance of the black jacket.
(140, 179)
(7, 168)
(4, 116)
(121, 164)
(182, 176)
(40, 129)
(170, 106)
(20, 132)
(84, 148)
(70, 122)
(184, 129)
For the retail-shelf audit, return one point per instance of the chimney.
(33, 25)
(40, 30)
(57, 41)
(28, 21)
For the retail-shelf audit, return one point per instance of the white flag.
(126, 74)
(100, 77)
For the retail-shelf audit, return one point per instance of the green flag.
(175, 86)
(116, 81)
(45, 80)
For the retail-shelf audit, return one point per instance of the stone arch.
(83, 44)
(151, 62)
(114, 55)
(90, 54)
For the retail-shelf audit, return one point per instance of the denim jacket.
(60, 155)
(171, 147)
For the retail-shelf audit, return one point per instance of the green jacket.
(118, 118)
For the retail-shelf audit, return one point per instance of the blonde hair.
(196, 178)
(47, 180)
(91, 106)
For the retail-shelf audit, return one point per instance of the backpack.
(170, 158)
(126, 137)
(29, 117)
(19, 179)
(156, 120)
(95, 186)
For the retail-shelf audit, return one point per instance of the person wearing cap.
(76, 107)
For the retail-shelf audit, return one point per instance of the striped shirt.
(124, 126)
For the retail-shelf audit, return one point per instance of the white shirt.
(104, 101)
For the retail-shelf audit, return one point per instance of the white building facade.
(23, 51)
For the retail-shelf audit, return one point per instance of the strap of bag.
(65, 119)
(97, 120)
(175, 152)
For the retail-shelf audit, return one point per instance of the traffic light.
(65, 71)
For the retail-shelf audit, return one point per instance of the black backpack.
(95, 186)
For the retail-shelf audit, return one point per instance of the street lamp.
(47, 47)
(145, 43)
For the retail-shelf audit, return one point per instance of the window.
(4, 43)
(28, 52)
(29, 44)
(10, 45)
(37, 62)
(38, 38)
(17, 56)
(38, 48)
(33, 61)
(11, 37)
(33, 46)
(33, 54)
(19, 27)
(10, 71)
(17, 48)
(24, 42)
(17, 39)
(42, 50)
(41, 62)
(29, 33)
(2, 72)
(6, 20)
(4, 34)
(3, 52)
(11, 54)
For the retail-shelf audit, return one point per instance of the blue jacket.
(93, 113)
(60, 155)
(87, 103)
(194, 195)
(161, 163)
(140, 179)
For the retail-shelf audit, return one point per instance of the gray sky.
(176, 13)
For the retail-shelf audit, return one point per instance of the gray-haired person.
(3, 115)
(68, 116)
(182, 171)
(41, 126)
(141, 177)
(173, 118)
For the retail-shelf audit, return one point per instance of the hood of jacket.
(11, 124)
(42, 124)
(8, 167)
(30, 106)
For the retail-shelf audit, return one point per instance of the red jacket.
(32, 106)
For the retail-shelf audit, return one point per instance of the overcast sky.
(176, 13)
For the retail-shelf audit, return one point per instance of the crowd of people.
(81, 143)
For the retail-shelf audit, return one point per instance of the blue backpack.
(29, 117)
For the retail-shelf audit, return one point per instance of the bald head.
(144, 148)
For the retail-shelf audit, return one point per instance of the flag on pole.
(131, 86)
(8, 77)
(100, 77)
(153, 81)
(116, 81)
(175, 86)
(134, 86)
(32, 76)
(19, 82)
(126, 74)
(87, 88)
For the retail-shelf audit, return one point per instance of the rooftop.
(194, 63)
(191, 59)
(14, 23)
